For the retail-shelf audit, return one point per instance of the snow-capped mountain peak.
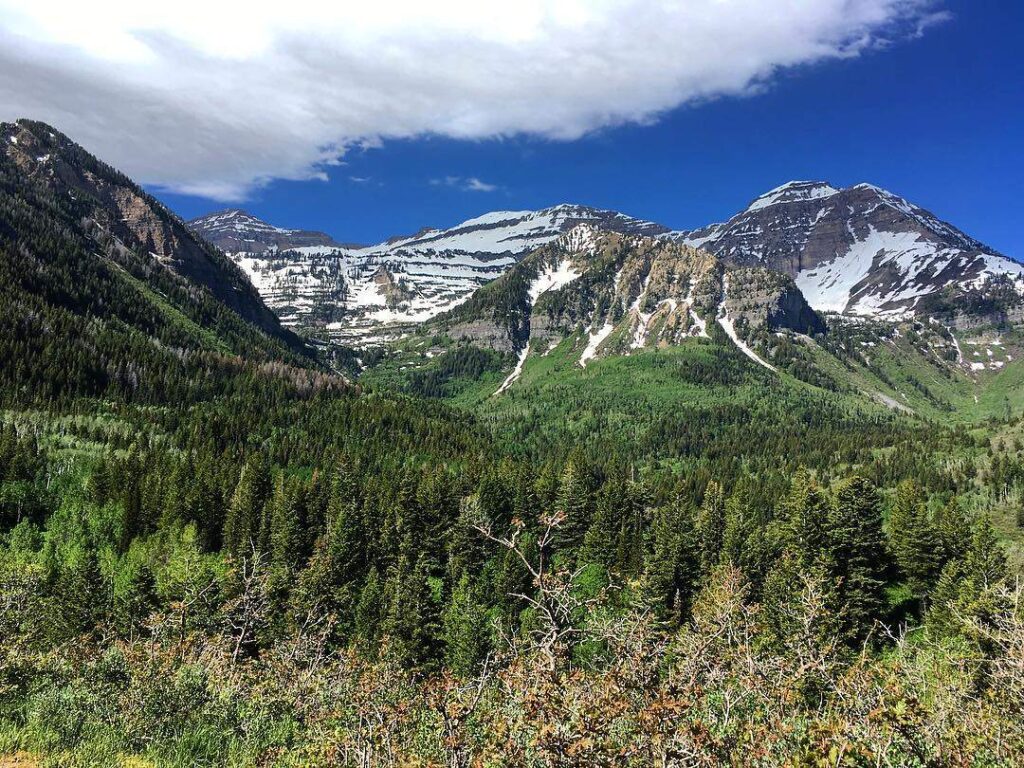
(794, 191)
(860, 250)
(354, 291)
(234, 230)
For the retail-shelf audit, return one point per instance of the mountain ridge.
(859, 250)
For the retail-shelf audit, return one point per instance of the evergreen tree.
(246, 512)
(747, 540)
(808, 526)
(81, 595)
(412, 617)
(859, 555)
(369, 611)
(967, 589)
(915, 544)
(709, 526)
(573, 505)
(601, 542)
(952, 524)
(136, 598)
(465, 628)
(673, 565)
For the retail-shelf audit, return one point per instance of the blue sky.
(938, 119)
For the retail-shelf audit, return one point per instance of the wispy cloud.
(475, 185)
(197, 97)
(469, 184)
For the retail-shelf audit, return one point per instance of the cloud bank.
(216, 98)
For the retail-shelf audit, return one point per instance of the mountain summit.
(233, 230)
(860, 250)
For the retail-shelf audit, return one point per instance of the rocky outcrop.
(760, 298)
(623, 293)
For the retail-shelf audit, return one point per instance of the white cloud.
(470, 184)
(475, 185)
(214, 98)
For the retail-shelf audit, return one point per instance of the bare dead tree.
(248, 612)
(555, 600)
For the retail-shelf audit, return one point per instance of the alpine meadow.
(739, 484)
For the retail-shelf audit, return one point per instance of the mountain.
(234, 230)
(620, 293)
(357, 293)
(111, 207)
(103, 291)
(860, 250)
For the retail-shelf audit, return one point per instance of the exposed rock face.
(112, 204)
(761, 298)
(623, 293)
(859, 250)
(236, 231)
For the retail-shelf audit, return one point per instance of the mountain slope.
(621, 293)
(860, 250)
(107, 201)
(105, 292)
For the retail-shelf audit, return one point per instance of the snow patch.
(793, 191)
(596, 337)
(730, 330)
(517, 371)
(552, 279)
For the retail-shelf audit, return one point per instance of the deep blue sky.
(939, 120)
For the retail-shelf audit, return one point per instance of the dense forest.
(340, 577)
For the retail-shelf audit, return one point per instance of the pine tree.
(967, 589)
(673, 565)
(246, 512)
(859, 555)
(953, 526)
(467, 548)
(709, 527)
(808, 525)
(602, 540)
(747, 540)
(287, 525)
(82, 595)
(412, 618)
(915, 544)
(465, 628)
(369, 611)
(573, 504)
(136, 599)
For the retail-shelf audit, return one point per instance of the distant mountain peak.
(860, 250)
(857, 250)
(235, 230)
(793, 191)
